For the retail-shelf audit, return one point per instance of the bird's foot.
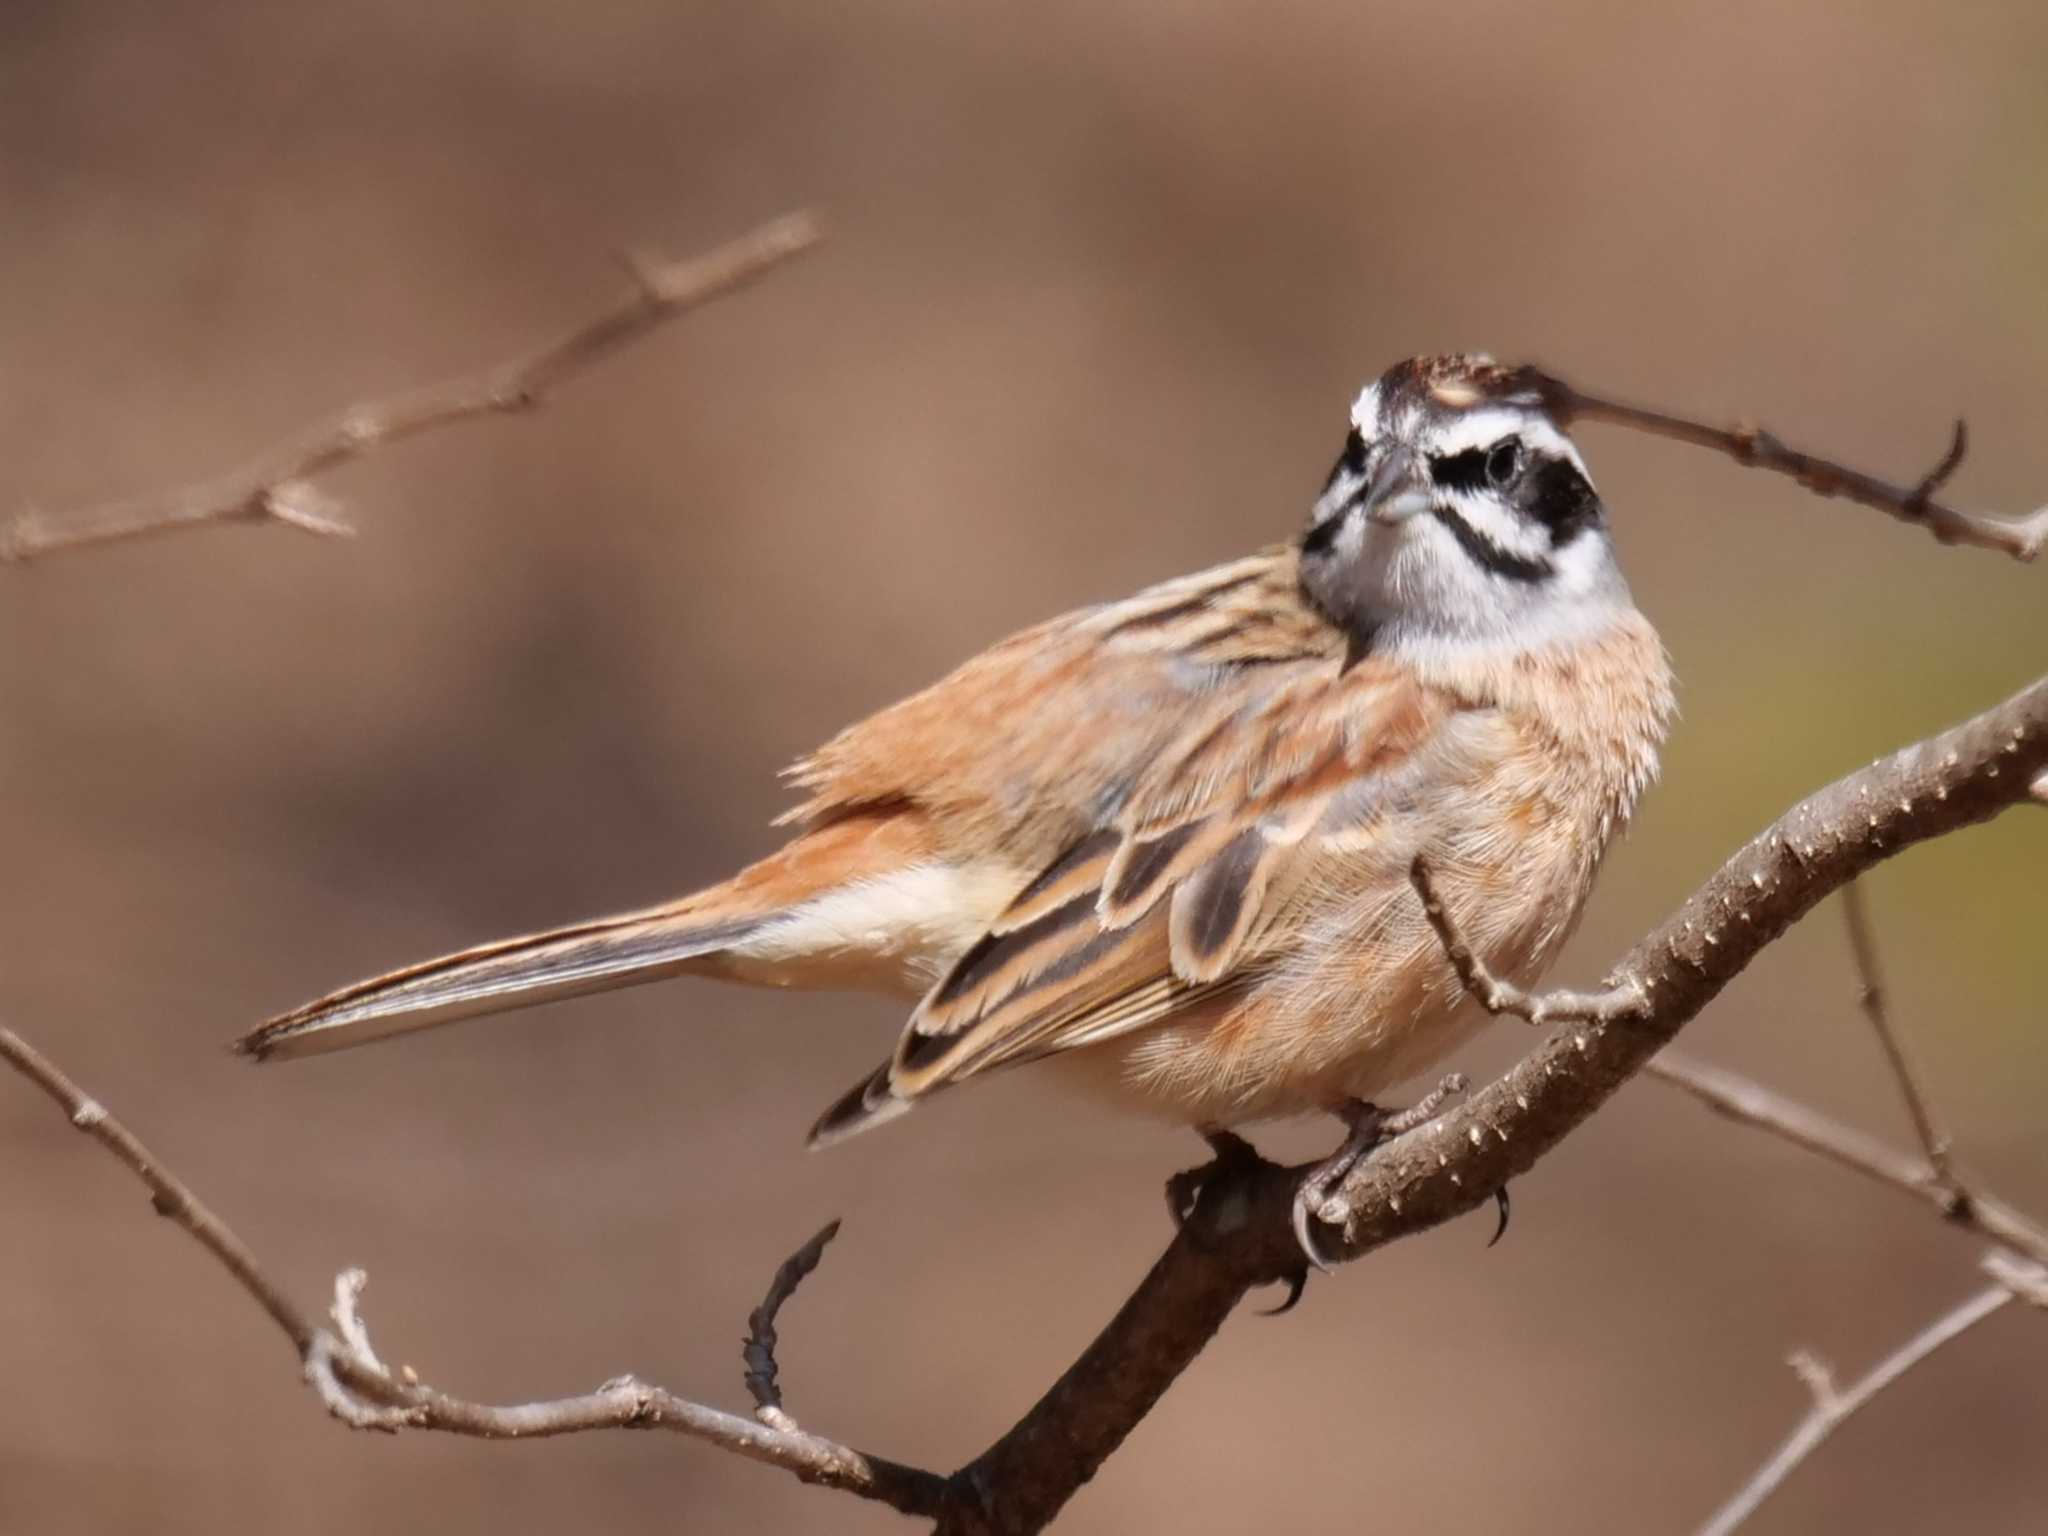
(1367, 1127)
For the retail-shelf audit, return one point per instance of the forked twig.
(1748, 1102)
(1831, 1406)
(2021, 538)
(360, 1390)
(1930, 1177)
(274, 487)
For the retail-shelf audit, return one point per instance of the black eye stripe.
(1550, 491)
(1488, 555)
(1318, 539)
(1351, 461)
(1460, 471)
(1558, 497)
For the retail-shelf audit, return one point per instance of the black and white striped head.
(1460, 512)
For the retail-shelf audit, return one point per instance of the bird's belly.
(1363, 1002)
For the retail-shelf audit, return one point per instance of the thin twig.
(274, 487)
(359, 1389)
(1747, 1102)
(1624, 1000)
(759, 1348)
(169, 1195)
(1872, 998)
(1831, 1406)
(2021, 538)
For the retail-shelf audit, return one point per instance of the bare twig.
(168, 1194)
(1240, 1234)
(2021, 538)
(274, 487)
(1624, 1000)
(1747, 1102)
(2025, 1278)
(1872, 998)
(1831, 1406)
(759, 1348)
(360, 1390)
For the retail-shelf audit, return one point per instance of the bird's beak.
(1398, 490)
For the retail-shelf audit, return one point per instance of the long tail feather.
(494, 978)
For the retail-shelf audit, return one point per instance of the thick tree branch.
(1241, 1234)
(1747, 1102)
(359, 1389)
(274, 488)
(2021, 538)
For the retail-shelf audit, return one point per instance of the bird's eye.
(1503, 461)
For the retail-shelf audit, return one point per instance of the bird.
(1163, 845)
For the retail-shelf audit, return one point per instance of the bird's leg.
(1367, 1126)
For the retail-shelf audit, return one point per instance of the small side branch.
(1625, 1000)
(2022, 538)
(1832, 1406)
(275, 487)
(1747, 1102)
(759, 1349)
(1871, 997)
(358, 1388)
(168, 1194)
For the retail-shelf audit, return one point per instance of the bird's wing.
(1169, 897)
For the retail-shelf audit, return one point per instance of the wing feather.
(1170, 900)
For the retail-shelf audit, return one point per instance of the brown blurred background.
(1101, 281)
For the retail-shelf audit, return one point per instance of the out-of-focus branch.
(1872, 998)
(1932, 1177)
(1748, 1102)
(2021, 538)
(360, 1390)
(1832, 1405)
(275, 487)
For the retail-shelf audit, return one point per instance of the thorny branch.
(1738, 1098)
(275, 487)
(2021, 538)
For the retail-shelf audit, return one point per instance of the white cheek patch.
(1365, 411)
(1585, 565)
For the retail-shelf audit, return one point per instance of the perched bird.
(1165, 843)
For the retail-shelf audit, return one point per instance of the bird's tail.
(510, 973)
(771, 924)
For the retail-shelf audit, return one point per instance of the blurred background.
(1101, 282)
